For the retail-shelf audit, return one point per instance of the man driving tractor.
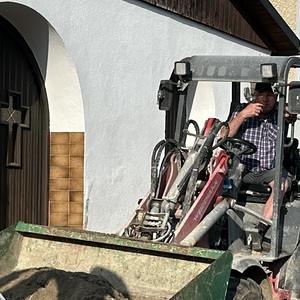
(257, 123)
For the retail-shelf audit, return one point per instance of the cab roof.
(238, 68)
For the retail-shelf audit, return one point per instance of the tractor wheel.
(243, 289)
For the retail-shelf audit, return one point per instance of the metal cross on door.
(16, 117)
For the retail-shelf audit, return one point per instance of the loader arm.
(157, 219)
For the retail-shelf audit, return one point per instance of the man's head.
(265, 95)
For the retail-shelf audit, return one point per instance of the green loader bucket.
(139, 269)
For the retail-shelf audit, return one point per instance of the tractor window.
(207, 99)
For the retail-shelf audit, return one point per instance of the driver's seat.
(260, 193)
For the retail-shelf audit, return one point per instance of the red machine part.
(207, 197)
(277, 293)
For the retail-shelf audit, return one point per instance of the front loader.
(139, 270)
(197, 197)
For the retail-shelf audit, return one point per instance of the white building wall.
(102, 62)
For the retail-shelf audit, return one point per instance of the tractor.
(197, 197)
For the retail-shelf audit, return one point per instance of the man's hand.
(252, 110)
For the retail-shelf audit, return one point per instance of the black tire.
(243, 289)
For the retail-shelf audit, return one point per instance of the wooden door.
(24, 133)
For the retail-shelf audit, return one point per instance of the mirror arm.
(292, 136)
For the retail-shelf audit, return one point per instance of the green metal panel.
(81, 235)
(211, 284)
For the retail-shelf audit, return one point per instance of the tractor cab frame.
(173, 94)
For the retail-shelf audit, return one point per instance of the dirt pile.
(53, 284)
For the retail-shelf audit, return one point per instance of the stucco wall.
(288, 11)
(117, 52)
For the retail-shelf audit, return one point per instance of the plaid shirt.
(263, 134)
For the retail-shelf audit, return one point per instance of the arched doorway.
(24, 133)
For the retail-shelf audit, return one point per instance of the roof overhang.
(269, 26)
(255, 21)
